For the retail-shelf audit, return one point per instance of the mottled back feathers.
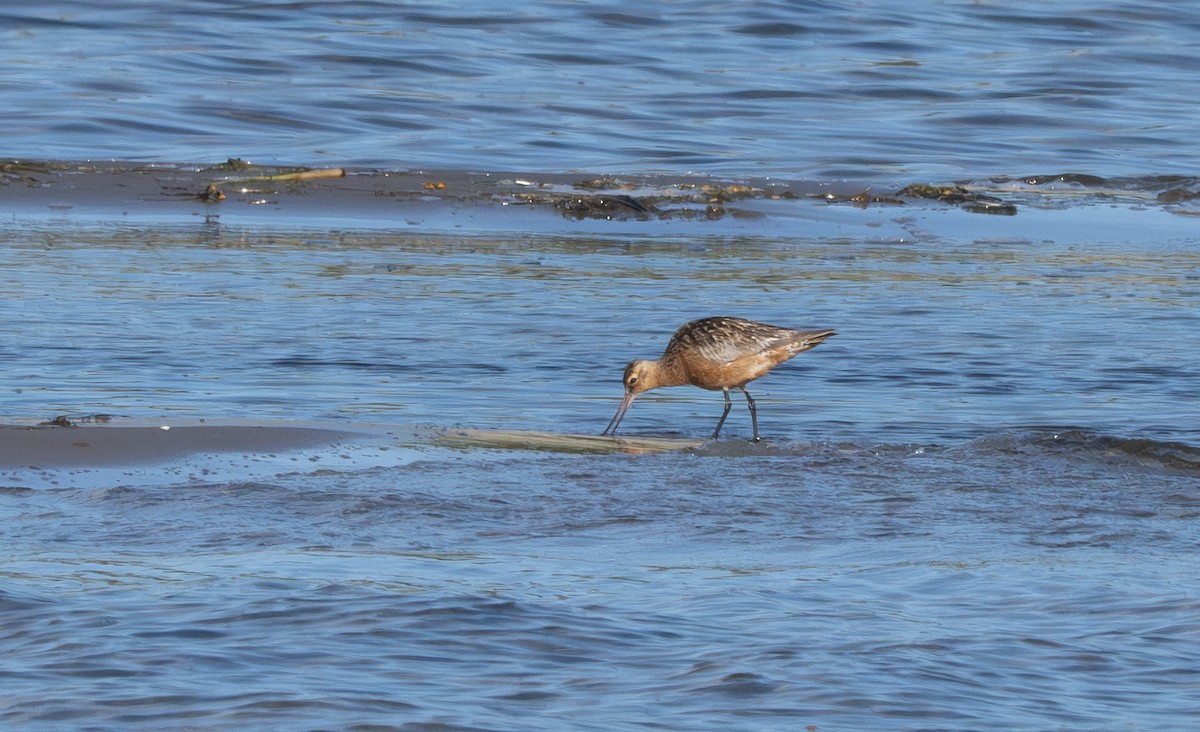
(723, 340)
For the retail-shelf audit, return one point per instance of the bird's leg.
(724, 414)
(753, 412)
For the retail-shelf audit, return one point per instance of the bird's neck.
(667, 372)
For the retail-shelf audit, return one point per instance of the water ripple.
(801, 90)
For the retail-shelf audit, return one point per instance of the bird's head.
(640, 376)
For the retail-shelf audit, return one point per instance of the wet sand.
(283, 193)
(503, 200)
(132, 452)
(48, 446)
(51, 446)
(135, 452)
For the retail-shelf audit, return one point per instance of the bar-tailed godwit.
(717, 353)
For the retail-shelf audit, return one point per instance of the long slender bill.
(611, 429)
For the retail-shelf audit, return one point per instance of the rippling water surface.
(936, 338)
(976, 503)
(976, 507)
(1041, 581)
(815, 89)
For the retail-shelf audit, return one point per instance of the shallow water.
(976, 506)
(1023, 577)
(908, 550)
(938, 338)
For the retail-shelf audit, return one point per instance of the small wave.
(1085, 444)
(1163, 189)
(1074, 443)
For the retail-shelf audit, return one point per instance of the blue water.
(816, 89)
(976, 507)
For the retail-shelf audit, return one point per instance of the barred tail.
(806, 339)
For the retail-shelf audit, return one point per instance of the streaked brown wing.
(722, 339)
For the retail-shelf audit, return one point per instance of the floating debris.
(1178, 195)
(997, 208)
(611, 184)
(726, 193)
(863, 198)
(234, 164)
(972, 201)
(304, 175)
(945, 194)
(212, 194)
(586, 206)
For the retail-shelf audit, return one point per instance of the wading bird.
(717, 353)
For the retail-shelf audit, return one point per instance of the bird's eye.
(631, 380)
